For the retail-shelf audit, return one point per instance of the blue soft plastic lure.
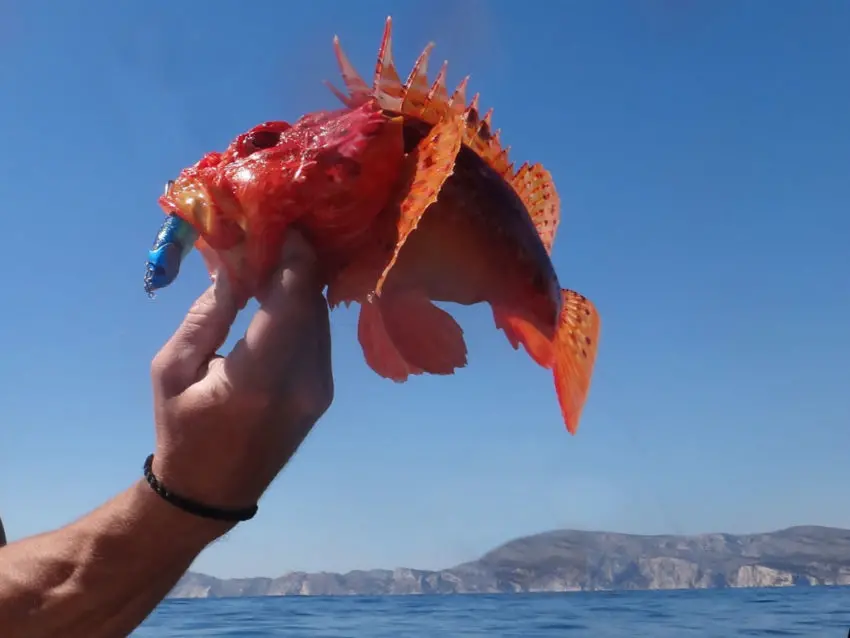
(173, 242)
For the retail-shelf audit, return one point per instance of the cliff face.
(571, 560)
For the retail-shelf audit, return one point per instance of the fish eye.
(260, 140)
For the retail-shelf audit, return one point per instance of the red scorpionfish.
(408, 197)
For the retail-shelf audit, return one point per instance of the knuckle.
(314, 401)
(160, 365)
(211, 398)
(260, 402)
(168, 368)
(325, 399)
(193, 324)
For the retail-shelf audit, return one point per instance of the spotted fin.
(536, 189)
(428, 166)
(576, 343)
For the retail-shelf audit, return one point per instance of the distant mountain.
(570, 560)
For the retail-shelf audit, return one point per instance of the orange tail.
(570, 355)
(576, 343)
(404, 333)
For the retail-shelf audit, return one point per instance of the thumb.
(202, 332)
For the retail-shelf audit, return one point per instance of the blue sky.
(702, 154)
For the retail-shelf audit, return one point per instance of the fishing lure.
(408, 198)
(175, 240)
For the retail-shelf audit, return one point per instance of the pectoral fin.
(426, 170)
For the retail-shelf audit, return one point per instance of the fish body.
(408, 198)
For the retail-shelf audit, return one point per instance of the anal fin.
(522, 332)
(536, 189)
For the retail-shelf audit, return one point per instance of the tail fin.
(576, 343)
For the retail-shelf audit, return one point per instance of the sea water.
(817, 612)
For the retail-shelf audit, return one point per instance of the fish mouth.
(191, 201)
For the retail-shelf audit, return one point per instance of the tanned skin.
(225, 428)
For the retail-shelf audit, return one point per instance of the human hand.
(226, 426)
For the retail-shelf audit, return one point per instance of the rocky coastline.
(572, 560)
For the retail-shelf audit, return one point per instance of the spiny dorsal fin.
(357, 88)
(416, 87)
(533, 184)
(437, 100)
(414, 99)
(387, 86)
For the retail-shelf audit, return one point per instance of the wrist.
(225, 484)
(208, 508)
(167, 525)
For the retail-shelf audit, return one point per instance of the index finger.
(293, 314)
(204, 329)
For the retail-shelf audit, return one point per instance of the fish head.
(328, 174)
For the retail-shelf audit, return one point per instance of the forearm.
(102, 575)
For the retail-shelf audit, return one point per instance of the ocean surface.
(819, 611)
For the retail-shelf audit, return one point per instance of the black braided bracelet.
(193, 507)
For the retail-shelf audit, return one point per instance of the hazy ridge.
(570, 560)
